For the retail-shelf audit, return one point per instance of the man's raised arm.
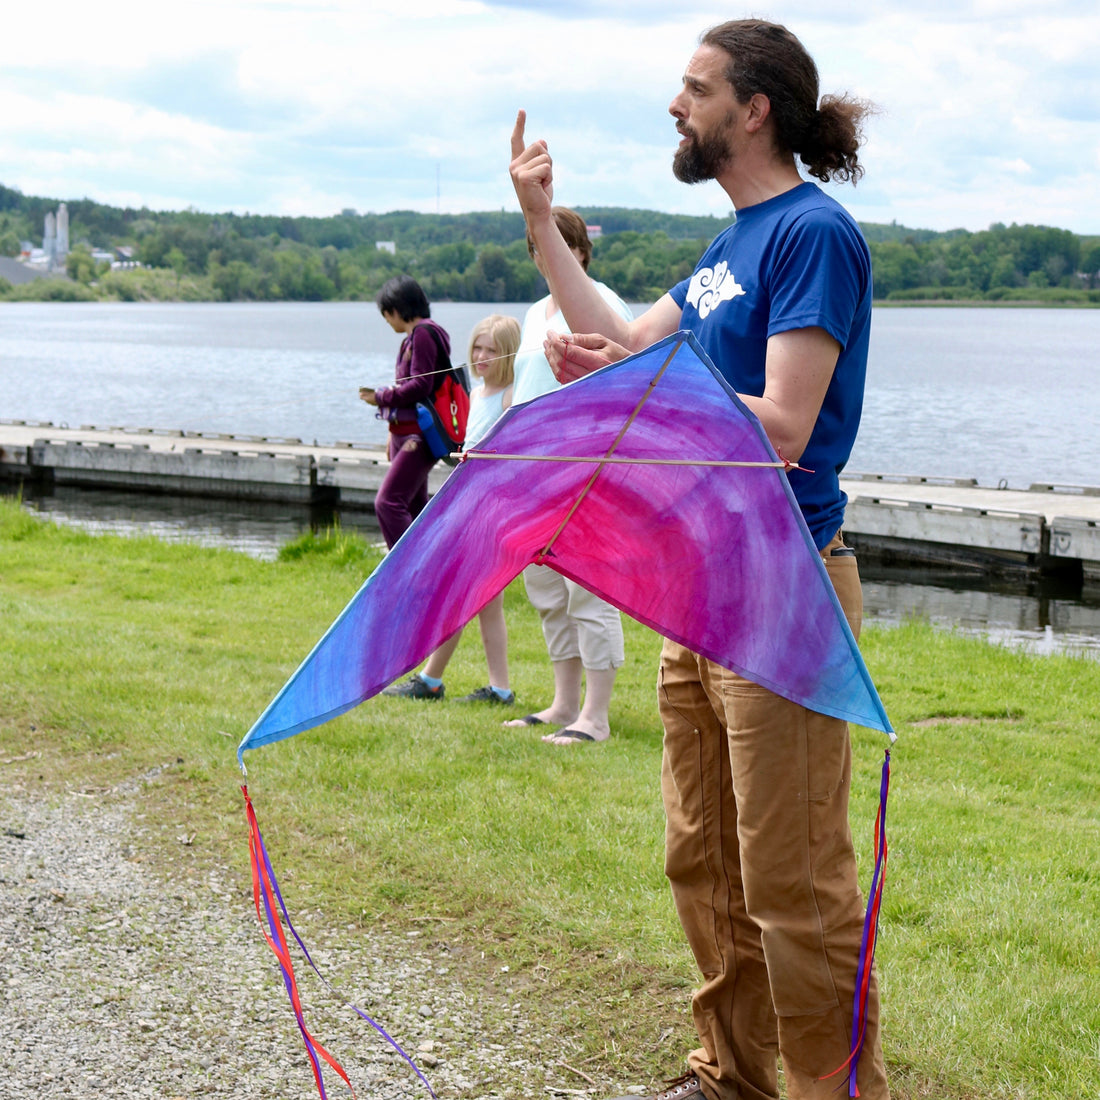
(574, 292)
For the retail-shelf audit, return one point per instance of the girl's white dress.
(485, 410)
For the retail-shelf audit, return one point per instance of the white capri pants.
(574, 622)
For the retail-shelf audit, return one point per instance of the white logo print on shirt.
(710, 287)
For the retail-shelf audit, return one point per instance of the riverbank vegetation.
(482, 257)
(121, 655)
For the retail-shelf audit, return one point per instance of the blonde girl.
(493, 346)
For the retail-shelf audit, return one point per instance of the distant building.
(49, 241)
(124, 258)
(386, 246)
(62, 232)
(55, 241)
(594, 232)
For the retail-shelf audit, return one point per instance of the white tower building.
(62, 233)
(49, 241)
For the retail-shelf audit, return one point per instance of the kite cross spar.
(657, 490)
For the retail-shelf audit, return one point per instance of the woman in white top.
(493, 345)
(583, 633)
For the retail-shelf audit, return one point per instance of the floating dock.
(196, 464)
(1045, 529)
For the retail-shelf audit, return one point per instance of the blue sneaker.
(414, 688)
(487, 695)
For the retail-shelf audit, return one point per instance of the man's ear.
(760, 107)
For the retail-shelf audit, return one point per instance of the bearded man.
(759, 852)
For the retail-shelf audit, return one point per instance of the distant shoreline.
(888, 303)
(1030, 303)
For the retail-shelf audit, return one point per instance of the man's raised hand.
(532, 172)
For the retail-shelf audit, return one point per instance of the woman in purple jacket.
(404, 490)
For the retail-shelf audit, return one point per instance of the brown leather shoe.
(682, 1088)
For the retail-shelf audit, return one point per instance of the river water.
(1008, 396)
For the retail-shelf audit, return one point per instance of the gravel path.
(117, 983)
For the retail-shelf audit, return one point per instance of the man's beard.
(703, 158)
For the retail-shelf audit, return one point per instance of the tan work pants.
(760, 859)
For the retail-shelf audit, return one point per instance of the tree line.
(482, 256)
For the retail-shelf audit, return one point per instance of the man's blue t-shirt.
(796, 261)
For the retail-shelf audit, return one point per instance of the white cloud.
(990, 108)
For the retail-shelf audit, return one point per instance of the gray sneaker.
(487, 695)
(682, 1088)
(414, 688)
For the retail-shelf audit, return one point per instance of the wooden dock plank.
(1044, 527)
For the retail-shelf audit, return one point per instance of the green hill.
(482, 256)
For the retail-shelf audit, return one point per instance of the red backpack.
(443, 421)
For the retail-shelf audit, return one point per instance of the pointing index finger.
(517, 134)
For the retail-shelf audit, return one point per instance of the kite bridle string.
(611, 450)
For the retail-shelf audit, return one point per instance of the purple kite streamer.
(263, 875)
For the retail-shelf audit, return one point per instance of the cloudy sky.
(989, 109)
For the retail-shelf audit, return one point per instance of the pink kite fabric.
(714, 556)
